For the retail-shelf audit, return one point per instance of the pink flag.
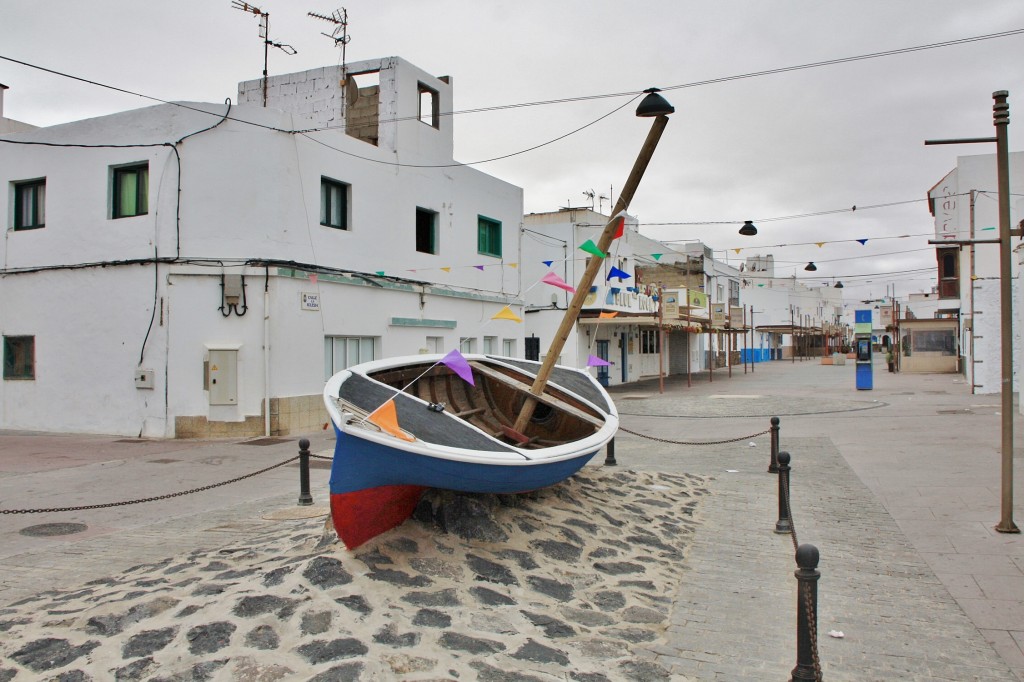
(457, 363)
(556, 281)
(594, 361)
(312, 277)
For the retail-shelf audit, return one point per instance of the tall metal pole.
(1001, 119)
(583, 288)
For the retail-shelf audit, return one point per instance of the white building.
(176, 270)
(965, 207)
(619, 321)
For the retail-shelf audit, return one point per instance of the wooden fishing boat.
(487, 424)
(453, 434)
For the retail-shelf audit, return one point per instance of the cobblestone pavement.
(898, 488)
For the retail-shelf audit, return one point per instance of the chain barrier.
(148, 499)
(805, 591)
(683, 442)
(329, 459)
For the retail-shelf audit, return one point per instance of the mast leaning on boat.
(603, 244)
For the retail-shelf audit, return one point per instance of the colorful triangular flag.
(863, 241)
(607, 316)
(506, 314)
(594, 361)
(456, 362)
(590, 247)
(820, 244)
(556, 281)
(657, 256)
(620, 228)
(479, 267)
(386, 417)
(547, 262)
(615, 272)
(513, 265)
(447, 269)
(312, 277)
(380, 272)
(737, 250)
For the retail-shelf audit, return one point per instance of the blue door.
(602, 370)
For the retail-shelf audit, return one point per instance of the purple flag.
(594, 361)
(457, 363)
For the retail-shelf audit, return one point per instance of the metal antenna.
(265, 34)
(339, 35)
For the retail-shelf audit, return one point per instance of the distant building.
(965, 207)
(193, 270)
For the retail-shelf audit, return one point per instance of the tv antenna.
(265, 34)
(590, 195)
(339, 35)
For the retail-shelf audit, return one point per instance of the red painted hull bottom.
(361, 515)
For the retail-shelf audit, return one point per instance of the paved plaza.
(898, 487)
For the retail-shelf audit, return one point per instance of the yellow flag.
(513, 265)
(447, 269)
(737, 250)
(386, 417)
(506, 314)
(820, 244)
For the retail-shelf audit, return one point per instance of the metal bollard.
(773, 465)
(807, 574)
(305, 499)
(785, 523)
(609, 454)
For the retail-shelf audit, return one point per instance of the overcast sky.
(804, 141)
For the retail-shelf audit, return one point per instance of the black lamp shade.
(748, 229)
(811, 267)
(654, 105)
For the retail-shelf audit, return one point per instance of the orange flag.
(386, 417)
(606, 316)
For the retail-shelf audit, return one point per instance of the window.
(130, 191)
(426, 231)
(508, 348)
(532, 351)
(345, 351)
(19, 357)
(488, 240)
(467, 345)
(435, 344)
(29, 204)
(490, 343)
(333, 204)
(650, 341)
(430, 106)
(949, 275)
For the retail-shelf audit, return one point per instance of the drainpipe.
(266, 353)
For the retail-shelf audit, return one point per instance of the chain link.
(148, 499)
(812, 627)
(683, 442)
(805, 591)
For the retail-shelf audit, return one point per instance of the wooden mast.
(583, 287)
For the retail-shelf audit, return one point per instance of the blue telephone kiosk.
(862, 339)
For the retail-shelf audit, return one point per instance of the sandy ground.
(568, 581)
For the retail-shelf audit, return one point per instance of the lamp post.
(1001, 121)
(652, 106)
